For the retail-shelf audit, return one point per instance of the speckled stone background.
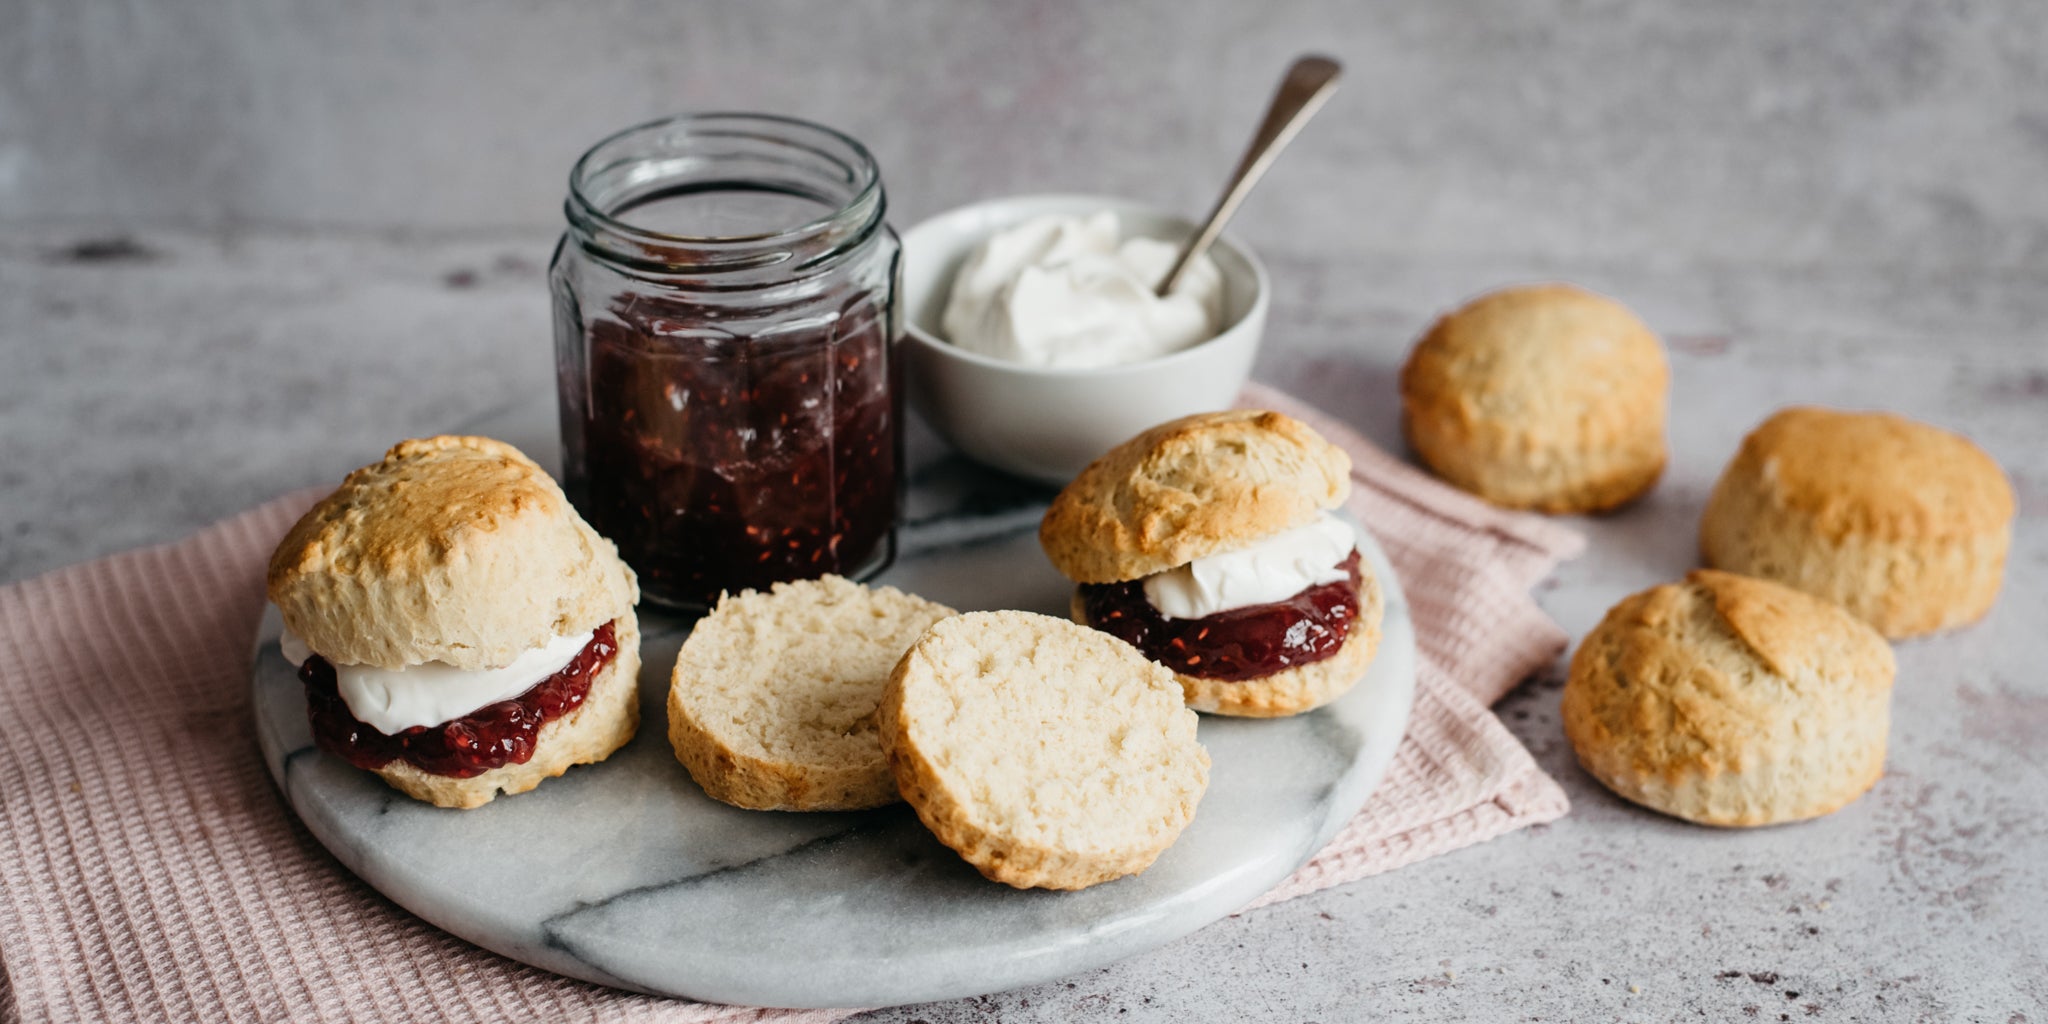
(245, 244)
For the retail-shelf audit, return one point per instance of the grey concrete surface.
(244, 245)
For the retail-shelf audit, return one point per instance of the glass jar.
(725, 343)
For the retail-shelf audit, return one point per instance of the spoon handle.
(1308, 83)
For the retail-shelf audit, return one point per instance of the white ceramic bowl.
(1049, 423)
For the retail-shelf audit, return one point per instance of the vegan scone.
(1208, 544)
(458, 628)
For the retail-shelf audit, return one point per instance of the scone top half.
(1198, 486)
(456, 550)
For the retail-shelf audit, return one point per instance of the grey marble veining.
(624, 873)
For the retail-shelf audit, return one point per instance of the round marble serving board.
(625, 874)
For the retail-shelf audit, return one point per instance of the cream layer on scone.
(392, 700)
(1266, 571)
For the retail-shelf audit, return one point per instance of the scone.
(460, 631)
(1544, 397)
(1207, 543)
(1905, 524)
(1047, 755)
(1728, 700)
(772, 702)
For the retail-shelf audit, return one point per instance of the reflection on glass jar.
(725, 331)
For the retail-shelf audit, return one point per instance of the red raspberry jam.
(1246, 643)
(723, 456)
(492, 736)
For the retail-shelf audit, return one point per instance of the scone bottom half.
(1215, 497)
(586, 732)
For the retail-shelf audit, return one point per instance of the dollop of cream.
(1069, 291)
(392, 700)
(1273, 569)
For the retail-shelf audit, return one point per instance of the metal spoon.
(1308, 83)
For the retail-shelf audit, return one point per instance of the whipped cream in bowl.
(1072, 290)
(1033, 342)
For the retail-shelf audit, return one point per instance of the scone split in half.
(1046, 754)
(459, 630)
(1207, 543)
(772, 702)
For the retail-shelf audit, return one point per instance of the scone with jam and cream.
(1208, 544)
(459, 629)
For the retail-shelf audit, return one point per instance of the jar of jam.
(725, 343)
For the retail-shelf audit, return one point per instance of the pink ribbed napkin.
(149, 870)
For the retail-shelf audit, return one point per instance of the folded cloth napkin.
(149, 870)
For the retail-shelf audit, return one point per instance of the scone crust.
(1905, 524)
(948, 799)
(602, 724)
(1294, 690)
(1197, 486)
(732, 769)
(451, 549)
(1732, 701)
(1545, 397)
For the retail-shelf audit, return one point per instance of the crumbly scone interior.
(798, 680)
(1046, 744)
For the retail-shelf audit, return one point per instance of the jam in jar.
(725, 335)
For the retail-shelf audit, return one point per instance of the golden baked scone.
(429, 598)
(1227, 507)
(1294, 690)
(1728, 700)
(604, 722)
(1046, 754)
(1904, 524)
(457, 550)
(1541, 397)
(1192, 487)
(772, 702)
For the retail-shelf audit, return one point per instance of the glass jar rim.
(856, 216)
